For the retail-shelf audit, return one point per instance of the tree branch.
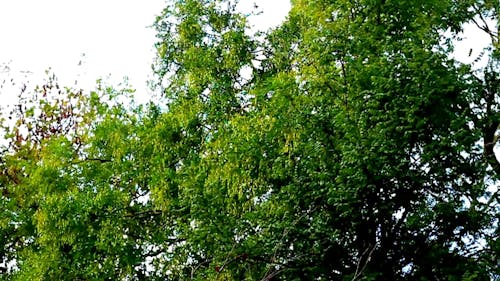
(361, 268)
(92, 159)
(485, 27)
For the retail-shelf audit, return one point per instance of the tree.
(358, 155)
(346, 144)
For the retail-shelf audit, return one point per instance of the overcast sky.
(113, 35)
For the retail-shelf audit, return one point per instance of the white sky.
(113, 35)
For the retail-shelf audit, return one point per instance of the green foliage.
(345, 144)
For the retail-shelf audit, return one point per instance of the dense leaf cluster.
(346, 144)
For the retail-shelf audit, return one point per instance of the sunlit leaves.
(343, 145)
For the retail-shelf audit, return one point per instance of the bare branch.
(361, 268)
(91, 160)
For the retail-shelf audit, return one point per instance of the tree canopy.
(346, 144)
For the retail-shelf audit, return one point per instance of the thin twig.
(359, 272)
(285, 233)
